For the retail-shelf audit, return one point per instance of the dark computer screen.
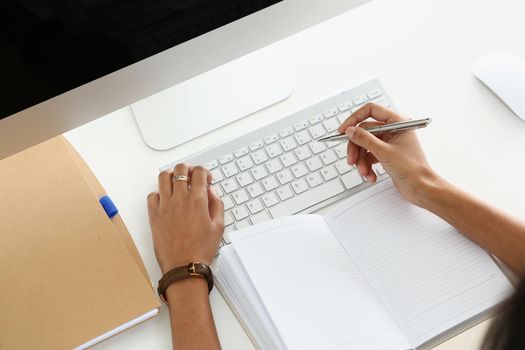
(50, 47)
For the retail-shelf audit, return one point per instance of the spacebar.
(310, 198)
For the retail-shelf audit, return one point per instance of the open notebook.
(374, 273)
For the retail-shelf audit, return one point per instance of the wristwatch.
(194, 269)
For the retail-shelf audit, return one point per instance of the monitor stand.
(213, 99)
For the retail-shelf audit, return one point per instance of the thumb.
(364, 139)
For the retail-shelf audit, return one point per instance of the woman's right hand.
(400, 154)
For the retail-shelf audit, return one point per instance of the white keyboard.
(279, 169)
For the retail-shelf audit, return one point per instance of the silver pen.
(384, 129)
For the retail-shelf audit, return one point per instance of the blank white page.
(312, 291)
(429, 276)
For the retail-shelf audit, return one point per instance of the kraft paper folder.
(69, 275)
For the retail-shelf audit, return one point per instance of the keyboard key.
(240, 196)
(344, 116)
(216, 176)
(286, 132)
(284, 176)
(270, 199)
(211, 165)
(301, 125)
(254, 146)
(244, 179)
(331, 124)
(303, 153)
(271, 138)
(226, 158)
(351, 179)
(302, 137)
(228, 219)
(314, 179)
(229, 185)
(314, 163)
(342, 166)
(240, 212)
(299, 186)
(255, 190)
(341, 150)
(218, 190)
(378, 168)
(229, 170)
(331, 144)
(317, 147)
(274, 150)
(382, 102)
(359, 100)
(244, 163)
(345, 106)
(226, 236)
(288, 159)
(259, 172)
(328, 157)
(316, 119)
(269, 183)
(317, 131)
(330, 113)
(274, 166)
(259, 156)
(299, 170)
(261, 217)
(242, 224)
(374, 93)
(329, 173)
(255, 206)
(241, 152)
(228, 203)
(308, 199)
(288, 144)
(284, 193)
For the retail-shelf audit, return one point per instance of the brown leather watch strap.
(194, 269)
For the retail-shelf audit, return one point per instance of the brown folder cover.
(68, 273)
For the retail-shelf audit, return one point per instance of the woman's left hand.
(186, 219)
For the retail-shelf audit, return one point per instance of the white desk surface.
(422, 50)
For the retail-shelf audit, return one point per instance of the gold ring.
(176, 178)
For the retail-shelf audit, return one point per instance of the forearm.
(489, 227)
(192, 323)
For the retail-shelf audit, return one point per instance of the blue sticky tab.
(109, 206)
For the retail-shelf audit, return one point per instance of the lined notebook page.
(429, 276)
(312, 291)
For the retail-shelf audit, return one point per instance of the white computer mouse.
(504, 73)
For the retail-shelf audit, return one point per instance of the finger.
(362, 164)
(367, 124)
(153, 204)
(371, 159)
(180, 188)
(365, 167)
(199, 179)
(352, 153)
(366, 140)
(216, 208)
(165, 187)
(371, 176)
(372, 110)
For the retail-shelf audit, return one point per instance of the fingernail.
(350, 132)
